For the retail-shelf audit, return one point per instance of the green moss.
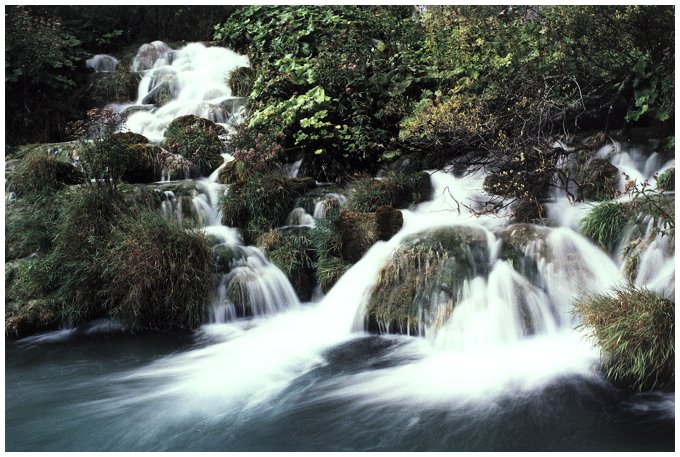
(292, 251)
(40, 172)
(598, 180)
(635, 330)
(396, 190)
(262, 203)
(666, 180)
(420, 285)
(516, 239)
(197, 140)
(158, 275)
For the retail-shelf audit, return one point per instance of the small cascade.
(191, 80)
(102, 63)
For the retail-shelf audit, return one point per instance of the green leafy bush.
(333, 89)
(635, 330)
(157, 274)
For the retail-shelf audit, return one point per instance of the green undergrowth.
(157, 274)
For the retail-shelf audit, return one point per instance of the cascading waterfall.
(501, 327)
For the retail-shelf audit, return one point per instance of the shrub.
(635, 330)
(39, 172)
(605, 223)
(197, 140)
(158, 275)
(394, 189)
(81, 239)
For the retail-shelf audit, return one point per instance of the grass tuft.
(635, 330)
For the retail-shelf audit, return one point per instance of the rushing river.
(69, 391)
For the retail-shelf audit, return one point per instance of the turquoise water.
(111, 391)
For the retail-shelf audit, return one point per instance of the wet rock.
(359, 231)
(598, 180)
(102, 63)
(420, 285)
(159, 95)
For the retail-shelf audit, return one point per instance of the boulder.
(420, 285)
(359, 231)
(598, 180)
(197, 140)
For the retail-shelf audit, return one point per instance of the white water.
(197, 76)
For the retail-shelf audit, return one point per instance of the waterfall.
(191, 80)
(506, 324)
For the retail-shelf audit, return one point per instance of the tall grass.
(605, 224)
(158, 275)
(635, 330)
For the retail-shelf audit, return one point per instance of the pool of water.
(113, 391)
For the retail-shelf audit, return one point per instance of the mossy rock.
(228, 174)
(666, 180)
(359, 231)
(103, 88)
(598, 180)
(197, 140)
(292, 251)
(160, 95)
(30, 317)
(396, 190)
(262, 203)
(529, 210)
(42, 172)
(328, 195)
(131, 138)
(241, 81)
(516, 240)
(420, 285)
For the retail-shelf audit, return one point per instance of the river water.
(111, 391)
